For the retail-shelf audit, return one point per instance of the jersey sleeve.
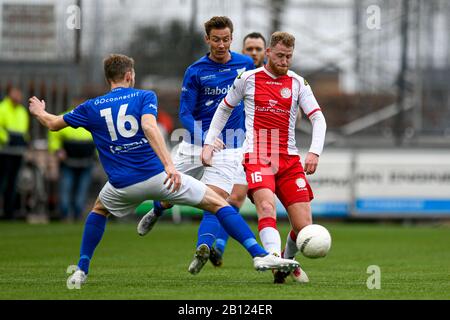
(78, 117)
(188, 101)
(150, 104)
(306, 100)
(236, 93)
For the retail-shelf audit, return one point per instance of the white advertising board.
(414, 182)
(331, 184)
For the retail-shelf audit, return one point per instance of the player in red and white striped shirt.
(273, 96)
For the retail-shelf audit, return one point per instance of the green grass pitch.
(414, 263)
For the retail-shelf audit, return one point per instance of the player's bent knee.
(212, 202)
(236, 200)
(238, 195)
(220, 192)
(267, 210)
(166, 205)
(100, 209)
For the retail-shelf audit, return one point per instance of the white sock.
(271, 240)
(291, 247)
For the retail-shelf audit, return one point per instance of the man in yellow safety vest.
(75, 151)
(14, 126)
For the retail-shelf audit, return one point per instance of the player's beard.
(278, 70)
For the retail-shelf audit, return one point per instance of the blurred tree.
(166, 51)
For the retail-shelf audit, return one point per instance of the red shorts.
(283, 174)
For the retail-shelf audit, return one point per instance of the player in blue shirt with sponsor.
(254, 46)
(206, 82)
(138, 165)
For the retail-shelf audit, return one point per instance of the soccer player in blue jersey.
(138, 164)
(205, 84)
(254, 46)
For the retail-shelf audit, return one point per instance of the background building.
(379, 68)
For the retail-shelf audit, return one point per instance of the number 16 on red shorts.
(283, 174)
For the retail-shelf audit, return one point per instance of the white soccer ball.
(314, 241)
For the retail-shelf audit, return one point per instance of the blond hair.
(285, 38)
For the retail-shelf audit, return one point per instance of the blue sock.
(209, 227)
(237, 228)
(93, 232)
(222, 239)
(223, 236)
(157, 208)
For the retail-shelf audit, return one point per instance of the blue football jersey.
(205, 84)
(114, 121)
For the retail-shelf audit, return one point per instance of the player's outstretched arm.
(51, 121)
(156, 140)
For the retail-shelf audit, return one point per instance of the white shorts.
(122, 202)
(226, 170)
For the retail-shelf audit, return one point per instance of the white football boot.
(299, 275)
(147, 223)
(272, 261)
(78, 278)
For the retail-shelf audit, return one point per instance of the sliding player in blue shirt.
(138, 164)
(206, 82)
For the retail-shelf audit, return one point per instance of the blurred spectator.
(75, 151)
(254, 46)
(166, 121)
(14, 126)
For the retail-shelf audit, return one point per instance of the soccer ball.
(314, 241)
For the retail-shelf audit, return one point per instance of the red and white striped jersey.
(271, 108)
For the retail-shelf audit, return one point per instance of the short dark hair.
(255, 35)
(10, 88)
(217, 22)
(116, 66)
(285, 38)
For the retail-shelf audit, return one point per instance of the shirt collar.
(117, 89)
